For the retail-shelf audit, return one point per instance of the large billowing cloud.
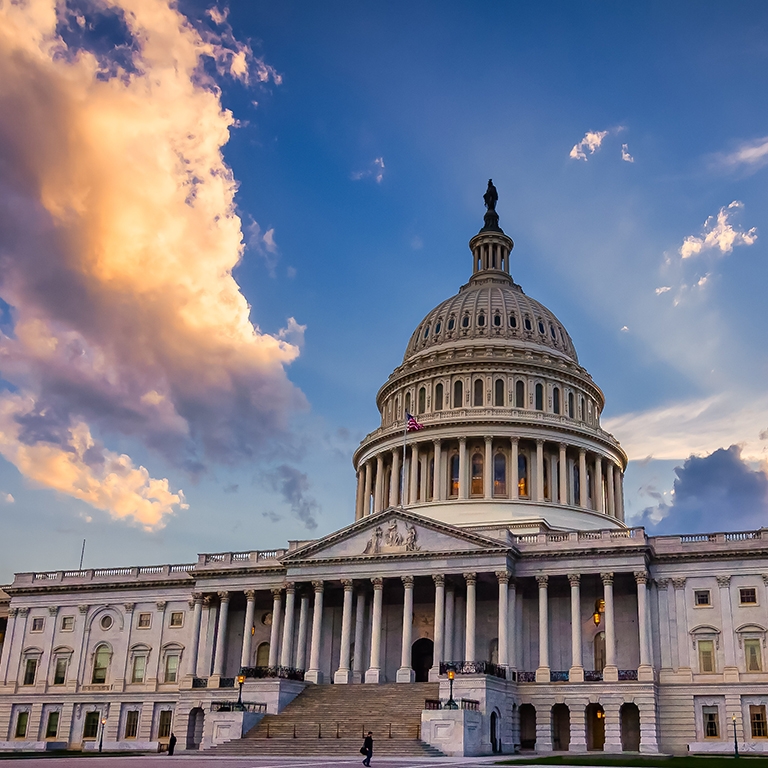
(118, 237)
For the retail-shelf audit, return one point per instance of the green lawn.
(718, 761)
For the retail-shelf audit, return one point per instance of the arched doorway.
(195, 728)
(422, 656)
(595, 716)
(630, 727)
(495, 740)
(561, 728)
(527, 726)
(262, 655)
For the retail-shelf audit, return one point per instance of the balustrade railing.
(593, 676)
(199, 682)
(558, 676)
(627, 675)
(226, 682)
(473, 668)
(235, 706)
(284, 673)
(526, 677)
(470, 704)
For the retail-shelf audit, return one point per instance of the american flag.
(411, 425)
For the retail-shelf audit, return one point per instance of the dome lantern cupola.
(490, 246)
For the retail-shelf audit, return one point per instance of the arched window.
(407, 403)
(527, 324)
(458, 394)
(422, 400)
(438, 397)
(497, 320)
(556, 399)
(465, 321)
(581, 409)
(476, 488)
(520, 394)
(451, 323)
(262, 655)
(513, 321)
(101, 660)
(426, 332)
(478, 399)
(499, 475)
(570, 404)
(498, 393)
(545, 479)
(576, 485)
(539, 397)
(541, 327)
(453, 479)
(522, 476)
(481, 320)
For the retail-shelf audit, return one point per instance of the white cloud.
(7, 497)
(375, 171)
(718, 233)
(751, 154)
(591, 141)
(624, 328)
(625, 156)
(663, 289)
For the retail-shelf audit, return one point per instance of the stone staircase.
(332, 720)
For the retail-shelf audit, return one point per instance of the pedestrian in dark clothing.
(367, 749)
(172, 743)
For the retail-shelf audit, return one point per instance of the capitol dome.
(509, 421)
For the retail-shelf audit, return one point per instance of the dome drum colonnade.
(493, 358)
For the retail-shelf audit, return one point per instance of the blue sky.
(364, 139)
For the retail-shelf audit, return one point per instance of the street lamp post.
(101, 735)
(451, 704)
(240, 681)
(735, 740)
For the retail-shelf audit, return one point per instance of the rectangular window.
(52, 727)
(753, 655)
(131, 724)
(60, 673)
(177, 619)
(706, 656)
(711, 723)
(21, 725)
(91, 725)
(30, 670)
(748, 596)
(145, 621)
(701, 597)
(164, 724)
(758, 722)
(67, 623)
(139, 665)
(171, 668)
(38, 623)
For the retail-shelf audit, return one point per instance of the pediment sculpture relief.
(392, 541)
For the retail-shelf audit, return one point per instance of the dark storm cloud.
(293, 486)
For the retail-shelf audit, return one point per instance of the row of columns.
(372, 477)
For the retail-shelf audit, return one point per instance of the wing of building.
(488, 595)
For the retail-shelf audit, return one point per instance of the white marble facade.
(494, 537)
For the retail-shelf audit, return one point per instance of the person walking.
(172, 743)
(367, 749)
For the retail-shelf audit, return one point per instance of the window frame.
(162, 716)
(139, 664)
(751, 603)
(705, 722)
(22, 716)
(53, 713)
(701, 655)
(60, 659)
(171, 625)
(87, 720)
(144, 615)
(762, 722)
(705, 592)
(755, 642)
(131, 723)
(33, 663)
(96, 652)
(64, 621)
(38, 624)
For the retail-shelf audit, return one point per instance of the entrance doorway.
(630, 728)
(495, 741)
(422, 657)
(527, 726)
(561, 728)
(595, 727)
(195, 728)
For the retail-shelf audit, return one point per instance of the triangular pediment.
(394, 532)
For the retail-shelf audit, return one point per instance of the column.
(563, 474)
(290, 614)
(301, 640)
(542, 672)
(576, 672)
(610, 671)
(683, 657)
(373, 675)
(378, 498)
(424, 459)
(730, 671)
(343, 675)
(469, 643)
(250, 603)
(314, 674)
(512, 623)
(450, 595)
(194, 648)
(8, 643)
(599, 499)
(359, 499)
(611, 493)
(274, 633)
(620, 495)
(413, 485)
(459, 625)
(488, 468)
(539, 470)
(462, 467)
(503, 579)
(582, 478)
(394, 482)
(645, 670)
(662, 587)
(438, 490)
(439, 647)
(514, 477)
(357, 664)
(405, 674)
(221, 634)
(368, 488)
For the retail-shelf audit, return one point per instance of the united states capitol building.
(489, 544)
